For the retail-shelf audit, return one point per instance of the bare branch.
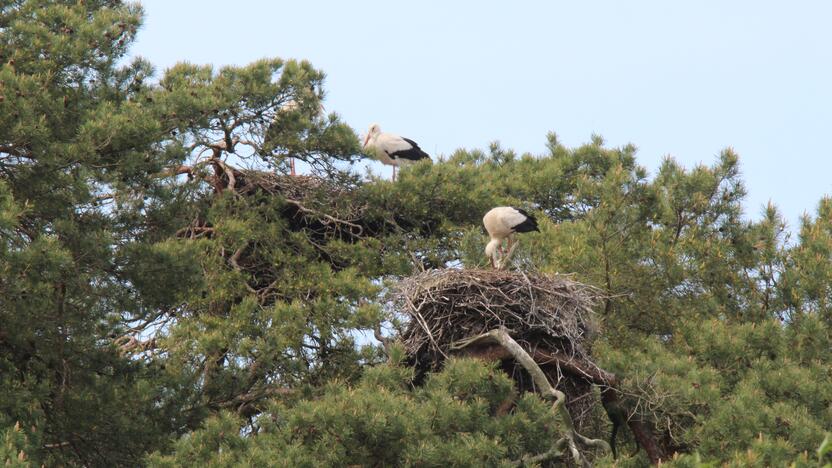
(232, 181)
(128, 344)
(13, 151)
(244, 399)
(556, 453)
(501, 337)
(56, 445)
(385, 341)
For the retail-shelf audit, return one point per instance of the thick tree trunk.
(641, 432)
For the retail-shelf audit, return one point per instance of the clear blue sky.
(685, 79)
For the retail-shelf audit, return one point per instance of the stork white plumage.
(392, 150)
(501, 223)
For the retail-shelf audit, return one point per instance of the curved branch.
(128, 345)
(222, 166)
(501, 337)
(555, 453)
(386, 342)
(606, 381)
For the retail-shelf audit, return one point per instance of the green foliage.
(667, 389)
(115, 334)
(15, 448)
(806, 281)
(761, 452)
(824, 451)
(451, 421)
(153, 302)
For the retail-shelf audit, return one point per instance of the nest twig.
(552, 312)
(549, 316)
(327, 205)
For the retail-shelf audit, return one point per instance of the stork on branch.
(392, 150)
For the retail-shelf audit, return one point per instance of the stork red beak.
(366, 139)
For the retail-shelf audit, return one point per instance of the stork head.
(491, 248)
(371, 133)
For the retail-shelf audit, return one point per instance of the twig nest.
(546, 315)
(296, 187)
(324, 208)
(539, 311)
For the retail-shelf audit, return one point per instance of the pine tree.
(77, 142)
(167, 289)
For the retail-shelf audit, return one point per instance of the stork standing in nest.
(392, 150)
(501, 223)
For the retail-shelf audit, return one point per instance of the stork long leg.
(292, 166)
(394, 173)
(512, 245)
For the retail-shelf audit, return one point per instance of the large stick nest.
(323, 208)
(247, 182)
(445, 306)
(546, 315)
(313, 203)
(328, 207)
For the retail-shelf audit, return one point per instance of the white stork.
(501, 223)
(391, 149)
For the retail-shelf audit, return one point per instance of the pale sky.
(685, 79)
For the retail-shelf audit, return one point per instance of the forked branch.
(501, 337)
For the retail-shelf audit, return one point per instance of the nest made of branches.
(324, 208)
(540, 311)
(249, 181)
(546, 315)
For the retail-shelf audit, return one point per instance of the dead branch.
(235, 257)
(385, 341)
(220, 165)
(548, 312)
(556, 453)
(641, 431)
(15, 151)
(128, 344)
(56, 445)
(576, 367)
(501, 337)
(193, 232)
(183, 170)
(242, 402)
(581, 369)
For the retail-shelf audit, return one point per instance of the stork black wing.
(528, 224)
(414, 153)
